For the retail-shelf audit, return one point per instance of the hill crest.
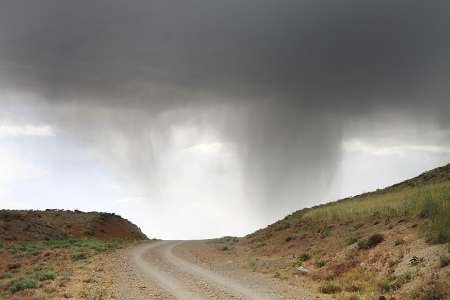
(54, 224)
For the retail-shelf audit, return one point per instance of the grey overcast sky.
(202, 118)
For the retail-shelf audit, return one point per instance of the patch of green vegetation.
(23, 284)
(46, 275)
(330, 288)
(362, 244)
(429, 209)
(288, 239)
(7, 216)
(225, 248)
(59, 244)
(24, 249)
(92, 244)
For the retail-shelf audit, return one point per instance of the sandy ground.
(168, 270)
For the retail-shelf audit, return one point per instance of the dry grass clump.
(330, 288)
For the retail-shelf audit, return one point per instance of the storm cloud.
(280, 84)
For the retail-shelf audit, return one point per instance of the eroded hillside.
(389, 244)
(23, 225)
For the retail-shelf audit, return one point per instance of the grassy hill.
(391, 243)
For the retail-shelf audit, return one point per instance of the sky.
(198, 119)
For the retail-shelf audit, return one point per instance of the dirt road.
(158, 271)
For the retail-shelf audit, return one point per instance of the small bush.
(289, 238)
(319, 263)
(46, 275)
(362, 244)
(353, 288)
(7, 216)
(429, 208)
(444, 261)
(79, 256)
(351, 240)
(94, 293)
(225, 248)
(401, 280)
(22, 284)
(325, 232)
(384, 286)
(357, 226)
(408, 276)
(374, 240)
(260, 245)
(371, 242)
(330, 288)
(304, 257)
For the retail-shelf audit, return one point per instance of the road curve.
(181, 279)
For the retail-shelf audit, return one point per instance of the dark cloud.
(295, 71)
(295, 49)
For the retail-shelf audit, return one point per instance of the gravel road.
(161, 274)
(164, 270)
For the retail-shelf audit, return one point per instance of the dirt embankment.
(56, 254)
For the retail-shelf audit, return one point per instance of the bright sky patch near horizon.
(202, 119)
